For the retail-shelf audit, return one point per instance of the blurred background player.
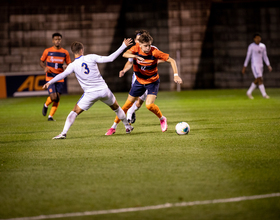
(147, 77)
(257, 54)
(52, 62)
(131, 116)
(93, 84)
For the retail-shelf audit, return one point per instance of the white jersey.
(87, 72)
(257, 54)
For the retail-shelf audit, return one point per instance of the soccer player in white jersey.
(91, 81)
(131, 117)
(257, 54)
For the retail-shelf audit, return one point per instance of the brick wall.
(209, 37)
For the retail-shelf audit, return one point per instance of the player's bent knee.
(150, 106)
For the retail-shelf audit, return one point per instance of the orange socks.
(48, 102)
(54, 108)
(125, 108)
(155, 109)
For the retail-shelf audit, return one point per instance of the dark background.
(209, 39)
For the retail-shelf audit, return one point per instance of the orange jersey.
(146, 71)
(54, 61)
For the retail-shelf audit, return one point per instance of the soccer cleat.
(129, 130)
(111, 131)
(133, 118)
(60, 136)
(266, 97)
(44, 110)
(250, 96)
(50, 119)
(163, 124)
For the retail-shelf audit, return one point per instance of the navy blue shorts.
(139, 89)
(56, 88)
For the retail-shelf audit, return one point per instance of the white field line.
(137, 209)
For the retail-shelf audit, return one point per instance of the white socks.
(130, 111)
(253, 86)
(69, 121)
(121, 115)
(262, 89)
(251, 89)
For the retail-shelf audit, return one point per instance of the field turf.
(232, 150)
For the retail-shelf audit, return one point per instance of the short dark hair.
(76, 47)
(256, 34)
(145, 38)
(56, 35)
(139, 32)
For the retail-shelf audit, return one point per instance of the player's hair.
(56, 35)
(256, 34)
(139, 32)
(145, 38)
(76, 47)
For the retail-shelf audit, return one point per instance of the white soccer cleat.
(129, 130)
(60, 136)
(250, 96)
(266, 97)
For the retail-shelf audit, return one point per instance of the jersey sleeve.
(44, 56)
(161, 55)
(248, 56)
(134, 49)
(130, 60)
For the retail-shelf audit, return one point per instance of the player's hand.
(243, 70)
(128, 41)
(141, 59)
(46, 69)
(121, 74)
(46, 86)
(177, 79)
(269, 68)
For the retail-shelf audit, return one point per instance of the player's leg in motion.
(155, 109)
(53, 98)
(262, 88)
(131, 117)
(129, 102)
(45, 106)
(69, 121)
(250, 90)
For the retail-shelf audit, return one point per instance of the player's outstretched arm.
(129, 54)
(113, 56)
(127, 67)
(177, 78)
(128, 42)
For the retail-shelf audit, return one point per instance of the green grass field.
(232, 150)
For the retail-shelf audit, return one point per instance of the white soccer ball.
(182, 128)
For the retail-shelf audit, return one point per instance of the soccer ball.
(182, 128)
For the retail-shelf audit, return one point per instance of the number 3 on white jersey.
(86, 68)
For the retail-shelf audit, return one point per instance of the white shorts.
(89, 98)
(257, 71)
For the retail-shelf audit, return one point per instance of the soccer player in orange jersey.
(147, 78)
(131, 116)
(52, 62)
